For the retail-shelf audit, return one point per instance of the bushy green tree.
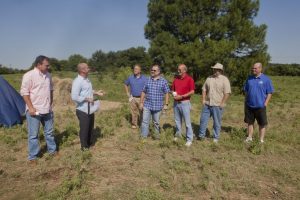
(200, 33)
(123, 58)
(98, 60)
(73, 61)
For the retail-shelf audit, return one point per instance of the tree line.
(277, 69)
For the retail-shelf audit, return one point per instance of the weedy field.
(120, 166)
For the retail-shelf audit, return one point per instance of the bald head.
(257, 69)
(81, 66)
(83, 69)
(137, 69)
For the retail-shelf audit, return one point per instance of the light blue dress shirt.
(81, 89)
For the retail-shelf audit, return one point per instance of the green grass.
(120, 166)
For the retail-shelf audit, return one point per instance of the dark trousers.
(86, 124)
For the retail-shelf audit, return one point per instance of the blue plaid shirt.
(155, 91)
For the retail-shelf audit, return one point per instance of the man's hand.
(178, 97)
(203, 102)
(165, 107)
(32, 111)
(141, 106)
(222, 105)
(266, 104)
(100, 93)
(130, 98)
(90, 100)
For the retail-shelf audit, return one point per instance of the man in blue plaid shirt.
(152, 100)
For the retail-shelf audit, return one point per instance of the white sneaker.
(175, 139)
(188, 143)
(215, 140)
(262, 141)
(248, 139)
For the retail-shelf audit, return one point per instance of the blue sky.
(60, 28)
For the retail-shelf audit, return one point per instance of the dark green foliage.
(7, 70)
(201, 33)
(114, 60)
(73, 61)
(283, 69)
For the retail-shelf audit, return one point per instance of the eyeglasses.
(153, 70)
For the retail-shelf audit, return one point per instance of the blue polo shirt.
(155, 91)
(257, 89)
(136, 84)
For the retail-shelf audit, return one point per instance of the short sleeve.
(127, 81)
(51, 83)
(270, 88)
(246, 86)
(192, 84)
(166, 87)
(227, 88)
(145, 86)
(26, 85)
(204, 87)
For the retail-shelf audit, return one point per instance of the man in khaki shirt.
(215, 93)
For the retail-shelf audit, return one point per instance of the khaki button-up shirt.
(215, 88)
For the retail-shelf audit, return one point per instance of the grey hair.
(185, 67)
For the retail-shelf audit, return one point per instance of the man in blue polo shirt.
(152, 101)
(136, 83)
(258, 91)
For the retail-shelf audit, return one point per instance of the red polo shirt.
(183, 85)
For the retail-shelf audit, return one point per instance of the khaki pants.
(135, 111)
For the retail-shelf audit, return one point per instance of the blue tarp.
(12, 105)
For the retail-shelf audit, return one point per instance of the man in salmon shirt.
(37, 91)
(183, 88)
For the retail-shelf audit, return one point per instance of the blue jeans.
(146, 120)
(216, 113)
(182, 110)
(33, 125)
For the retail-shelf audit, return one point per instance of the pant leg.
(205, 115)
(145, 122)
(33, 126)
(47, 121)
(84, 124)
(91, 128)
(217, 118)
(186, 111)
(138, 110)
(155, 119)
(134, 109)
(178, 119)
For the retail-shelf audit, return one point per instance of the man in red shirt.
(183, 88)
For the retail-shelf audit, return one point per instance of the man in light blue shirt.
(136, 83)
(82, 94)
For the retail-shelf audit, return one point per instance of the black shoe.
(201, 138)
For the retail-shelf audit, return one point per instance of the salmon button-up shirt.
(38, 86)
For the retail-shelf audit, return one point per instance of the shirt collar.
(36, 70)
(83, 78)
(261, 74)
(136, 76)
(182, 77)
(158, 78)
